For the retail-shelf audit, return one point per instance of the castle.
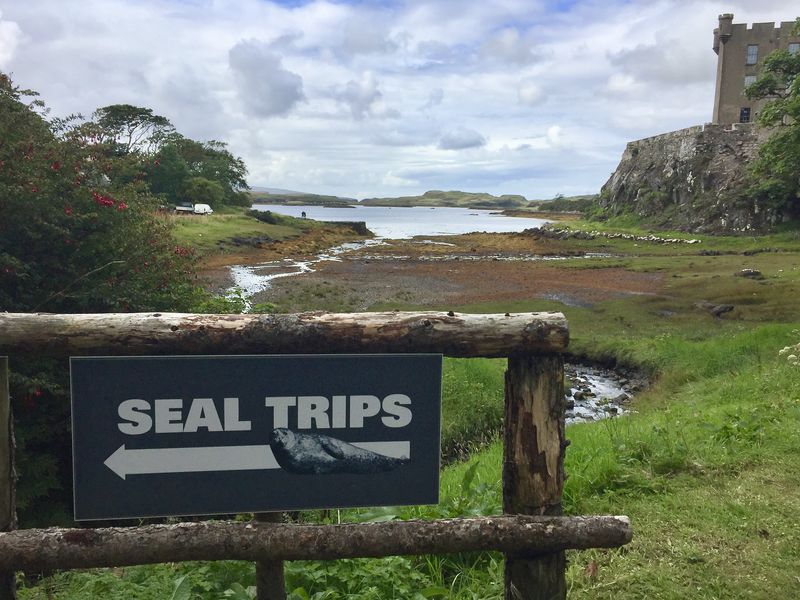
(741, 50)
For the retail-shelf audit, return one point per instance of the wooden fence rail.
(55, 548)
(457, 335)
(532, 534)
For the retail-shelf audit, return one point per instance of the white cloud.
(364, 99)
(461, 138)
(620, 83)
(530, 93)
(509, 46)
(370, 94)
(265, 88)
(435, 98)
(10, 35)
(667, 61)
(364, 37)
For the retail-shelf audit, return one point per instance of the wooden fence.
(532, 533)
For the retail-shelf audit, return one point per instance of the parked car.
(187, 208)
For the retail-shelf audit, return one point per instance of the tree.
(776, 173)
(181, 159)
(204, 191)
(72, 239)
(132, 128)
(167, 174)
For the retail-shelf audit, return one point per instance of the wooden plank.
(38, 550)
(8, 514)
(270, 581)
(533, 467)
(458, 335)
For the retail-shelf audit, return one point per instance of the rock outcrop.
(690, 180)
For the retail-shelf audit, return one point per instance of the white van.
(202, 209)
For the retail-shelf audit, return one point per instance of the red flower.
(103, 199)
(122, 205)
(56, 166)
(68, 211)
(34, 189)
(37, 392)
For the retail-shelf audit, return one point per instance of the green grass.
(204, 233)
(706, 467)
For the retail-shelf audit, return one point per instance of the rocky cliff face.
(690, 180)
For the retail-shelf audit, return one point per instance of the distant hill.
(270, 190)
(298, 198)
(452, 198)
(568, 204)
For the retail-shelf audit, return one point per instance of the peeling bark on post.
(36, 550)
(533, 467)
(270, 581)
(8, 513)
(458, 335)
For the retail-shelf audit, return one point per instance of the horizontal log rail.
(457, 335)
(34, 550)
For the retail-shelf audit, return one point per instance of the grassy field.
(706, 466)
(210, 233)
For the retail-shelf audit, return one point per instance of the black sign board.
(200, 435)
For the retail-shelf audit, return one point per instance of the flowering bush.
(78, 233)
(75, 225)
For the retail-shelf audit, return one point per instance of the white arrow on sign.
(126, 461)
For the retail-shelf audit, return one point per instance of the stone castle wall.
(688, 180)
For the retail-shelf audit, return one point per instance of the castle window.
(752, 54)
(794, 48)
(749, 80)
(744, 114)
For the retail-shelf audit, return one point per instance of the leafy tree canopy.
(132, 128)
(182, 159)
(204, 191)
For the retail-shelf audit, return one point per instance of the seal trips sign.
(184, 435)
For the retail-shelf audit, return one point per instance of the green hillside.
(452, 198)
(297, 199)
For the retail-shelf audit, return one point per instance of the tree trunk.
(533, 467)
(36, 550)
(8, 513)
(460, 335)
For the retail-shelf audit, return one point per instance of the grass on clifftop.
(204, 233)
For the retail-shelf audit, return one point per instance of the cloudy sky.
(388, 97)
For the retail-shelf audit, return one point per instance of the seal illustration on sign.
(314, 454)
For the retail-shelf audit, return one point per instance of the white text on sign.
(168, 415)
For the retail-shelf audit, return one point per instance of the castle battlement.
(741, 49)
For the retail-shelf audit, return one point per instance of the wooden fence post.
(8, 513)
(533, 466)
(270, 583)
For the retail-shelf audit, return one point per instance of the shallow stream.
(595, 393)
